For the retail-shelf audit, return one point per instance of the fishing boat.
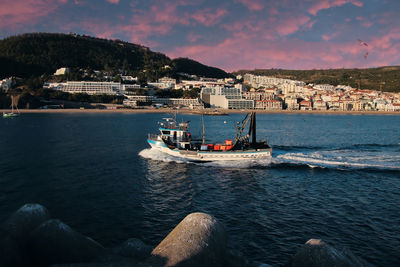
(175, 139)
(12, 113)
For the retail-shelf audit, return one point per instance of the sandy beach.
(189, 111)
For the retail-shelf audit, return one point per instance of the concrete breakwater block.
(133, 248)
(316, 252)
(198, 240)
(55, 242)
(25, 220)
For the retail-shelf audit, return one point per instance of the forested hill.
(385, 78)
(42, 53)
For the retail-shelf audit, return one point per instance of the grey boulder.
(198, 240)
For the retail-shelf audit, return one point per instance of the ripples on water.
(331, 177)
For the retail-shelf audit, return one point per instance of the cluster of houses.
(276, 93)
(245, 92)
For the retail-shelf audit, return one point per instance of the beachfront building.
(260, 95)
(268, 104)
(305, 105)
(193, 103)
(225, 97)
(134, 101)
(346, 105)
(320, 105)
(291, 103)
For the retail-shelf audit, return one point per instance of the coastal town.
(247, 92)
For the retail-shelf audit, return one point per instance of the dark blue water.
(335, 177)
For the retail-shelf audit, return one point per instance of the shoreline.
(196, 112)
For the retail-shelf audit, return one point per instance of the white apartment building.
(320, 105)
(344, 87)
(186, 102)
(132, 101)
(267, 81)
(259, 95)
(291, 103)
(225, 97)
(185, 84)
(240, 86)
(167, 82)
(129, 78)
(88, 87)
(324, 87)
(268, 104)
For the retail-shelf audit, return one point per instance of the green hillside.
(42, 53)
(189, 66)
(387, 78)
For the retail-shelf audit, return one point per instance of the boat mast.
(253, 126)
(204, 129)
(12, 104)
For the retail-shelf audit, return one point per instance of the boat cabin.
(176, 134)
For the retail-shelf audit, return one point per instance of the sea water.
(334, 177)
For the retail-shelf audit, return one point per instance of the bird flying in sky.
(362, 42)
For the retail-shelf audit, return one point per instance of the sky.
(229, 34)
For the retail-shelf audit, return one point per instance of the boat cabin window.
(166, 132)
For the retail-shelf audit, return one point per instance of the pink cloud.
(16, 12)
(113, 1)
(207, 18)
(326, 4)
(386, 41)
(291, 24)
(327, 37)
(291, 54)
(273, 27)
(367, 24)
(253, 5)
(192, 37)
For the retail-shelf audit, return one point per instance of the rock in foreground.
(133, 248)
(198, 240)
(316, 252)
(55, 242)
(25, 220)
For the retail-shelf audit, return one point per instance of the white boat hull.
(212, 155)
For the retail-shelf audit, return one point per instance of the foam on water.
(155, 154)
(338, 158)
(354, 159)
